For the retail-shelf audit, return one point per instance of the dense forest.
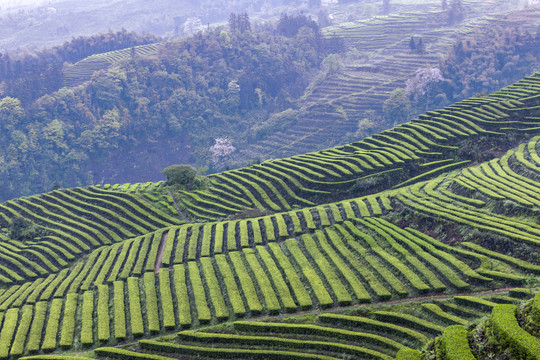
(212, 85)
(489, 60)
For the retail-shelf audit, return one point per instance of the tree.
(444, 4)
(221, 148)
(11, 112)
(456, 13)
(243, 22)
(420, 46)
(290, 25)
(417, 47)
(397, 108)
(239, 22)
(323, 18)
(233, 23)
(332, 64)
(422, 84)
(180, 175)
(23, 229)
(386, 7)
(192, 26)
(412, 44)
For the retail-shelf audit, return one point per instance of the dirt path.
(393, 302)
(178, 209)
(161, 251)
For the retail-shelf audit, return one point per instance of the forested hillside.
(212, 85)
(399, 66)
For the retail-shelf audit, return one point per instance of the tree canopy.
(181, 175)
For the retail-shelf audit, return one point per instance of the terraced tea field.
(361, 333)
(367, 250)
(83, 70)
(403, 155)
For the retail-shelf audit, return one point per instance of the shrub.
(246, 283)
(277, 278)
(22, 331)
(225, 352)
(232, 289)
(316, 284)
(214, 289)
(8, 330)
(201, 303)
(152, 311)
(87, 320)
(37, 327)
(281, 342)
(370, 324)
(506, 327)
(103, 313)
(302, 297)
(408, 354)
(316, 330)
(137, 328)
(68, 321)
(182, 298)
(456, 345)
(167, 307)
(51, 332)
(119, 311)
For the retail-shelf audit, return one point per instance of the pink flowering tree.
(222, 148)
(422, 84)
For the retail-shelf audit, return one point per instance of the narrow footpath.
(161, 251)
(178, 209)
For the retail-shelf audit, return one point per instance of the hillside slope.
(104, 266)
(472, 130)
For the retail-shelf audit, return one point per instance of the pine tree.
(386, 7)
(420, 47)
(233, 22)
(456, 13)
(412, 44)
(243, 22)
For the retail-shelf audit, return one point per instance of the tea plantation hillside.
(436, 142)
(368, 251)
(332, 108)
(510, 331)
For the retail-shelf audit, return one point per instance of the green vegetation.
(315, 246)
